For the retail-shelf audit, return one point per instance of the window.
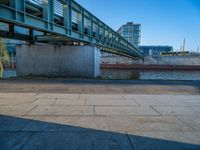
(95, 27)
(87, 23)
(75, 16)
(101, 31)
(106, 33)
(37, 2)
(125, 33)
(58, 8)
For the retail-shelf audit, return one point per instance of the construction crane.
(184, 45)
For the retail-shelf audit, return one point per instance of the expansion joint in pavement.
(129, 141)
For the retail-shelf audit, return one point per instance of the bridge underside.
(59, 22)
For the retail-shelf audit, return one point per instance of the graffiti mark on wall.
(4, 56)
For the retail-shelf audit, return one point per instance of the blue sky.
(164, 22)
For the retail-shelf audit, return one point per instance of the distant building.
(155, 51)
(131, 32)
(177, 53)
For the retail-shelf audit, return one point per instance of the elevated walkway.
(60, 21)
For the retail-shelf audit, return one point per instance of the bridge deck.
(62, 19)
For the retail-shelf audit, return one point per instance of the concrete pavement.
(85, 86)
(52, 121)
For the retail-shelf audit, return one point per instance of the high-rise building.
(131, 32)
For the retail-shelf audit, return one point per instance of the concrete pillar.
(58, 61)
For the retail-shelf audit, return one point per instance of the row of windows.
(76, 16)
(77, 19)
(132, 28)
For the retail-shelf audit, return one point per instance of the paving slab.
(78, 140)
(62, 110)
(44, 101)
(16, 101)
(183, 97)
(196, 109)
(166, 100)
(67, 123)
(12, 123)
(110, 102)
(124, 110)
(197, 133)
(176, 140)
(16, 110)
(191, 103)
(69, 101)
(146, 123)
(14, 140)
(184, 100)
(56, 95)
(192, 121)
(175, 110)
(157, 102)
(17, 95)
(160, 96)
(102, 96)
(140, 96)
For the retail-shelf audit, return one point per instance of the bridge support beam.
(58, 61)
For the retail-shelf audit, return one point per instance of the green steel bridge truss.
(60, 21)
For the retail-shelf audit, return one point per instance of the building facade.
(131, 32)
(154, 51)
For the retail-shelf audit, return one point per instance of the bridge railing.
(68, 18)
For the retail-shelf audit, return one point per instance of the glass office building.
(131, 32)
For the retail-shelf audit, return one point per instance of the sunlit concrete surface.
(110, 121)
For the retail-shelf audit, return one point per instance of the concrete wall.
(182, 60)
(51, 60)
(170, 75)
(119, 74)
(150, 74)
(108, 58)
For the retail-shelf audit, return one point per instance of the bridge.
(62, 22)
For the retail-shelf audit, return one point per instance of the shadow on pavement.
(26, 134)
(80, 86)
(80, 81)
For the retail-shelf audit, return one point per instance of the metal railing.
(55, 17)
